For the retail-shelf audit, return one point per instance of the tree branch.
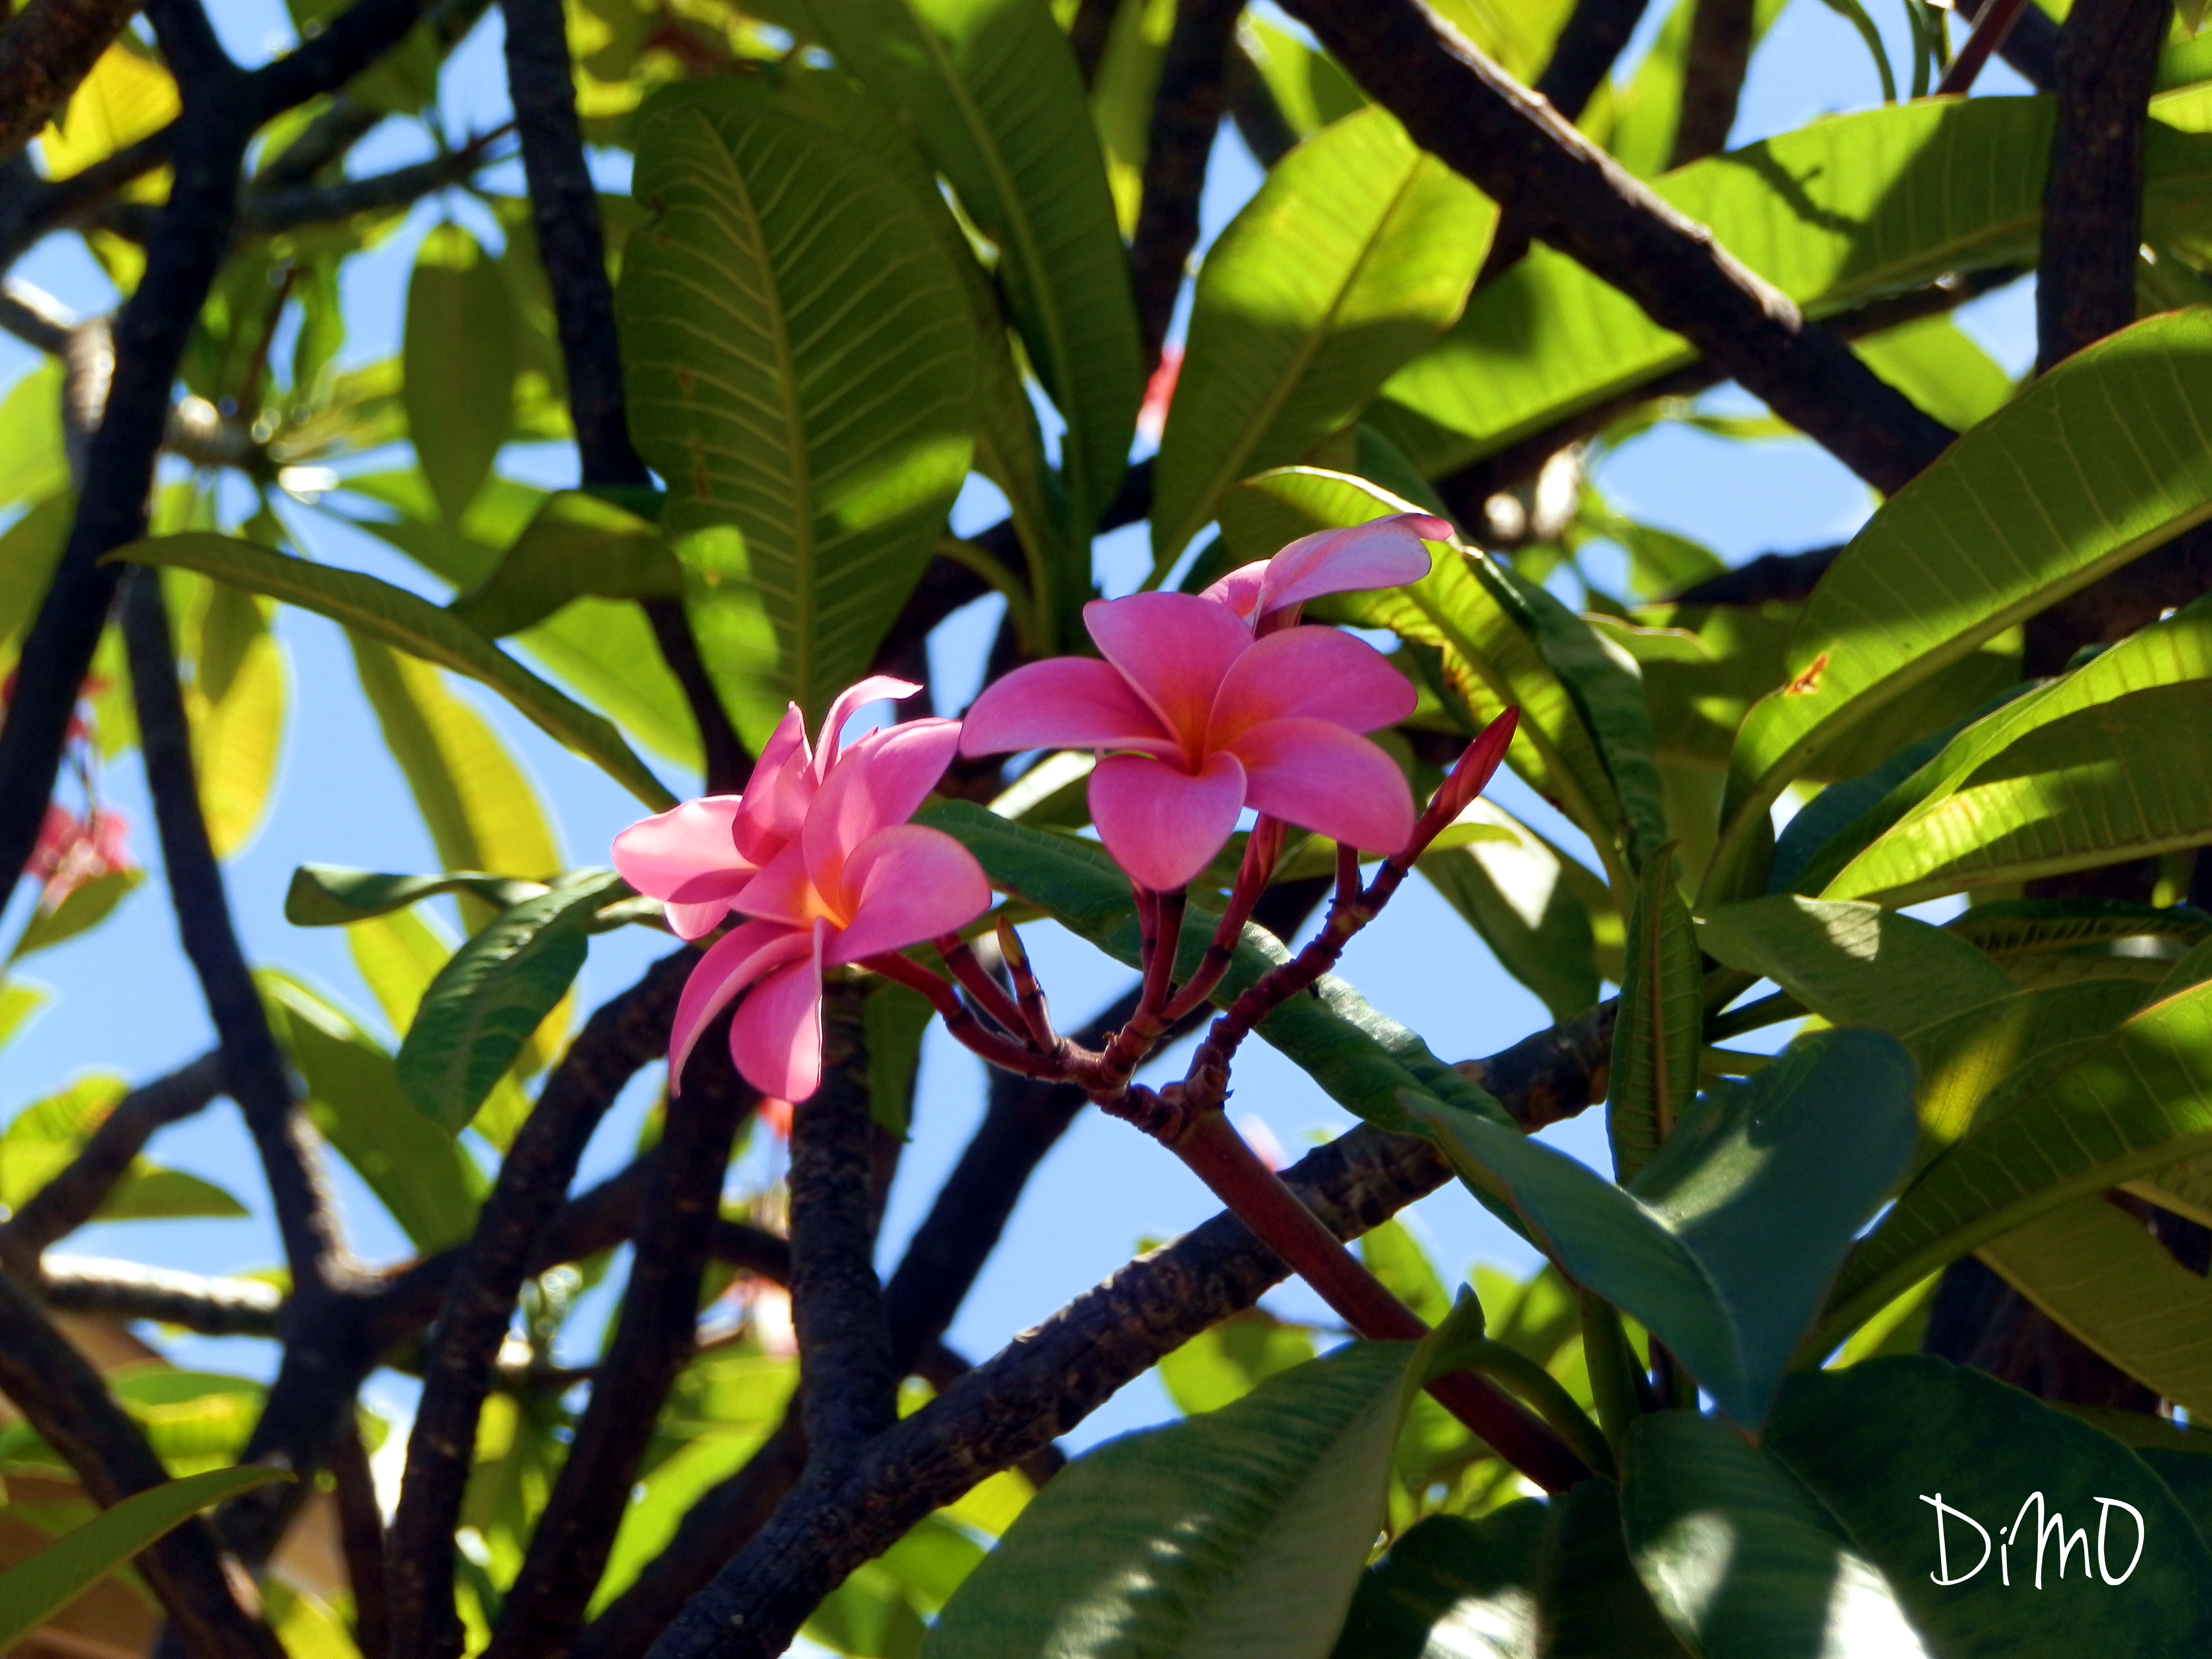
(125, 1290)
(1088, 31)
(1720, 53)
(2030, 46)
(564, 207)
(1461, 106)
(622, 1036)
(75, 1195)
(678, 1220)
(64, 1399)
(1186, 114)
(360, 1540)
(268, 210)
(48, 48)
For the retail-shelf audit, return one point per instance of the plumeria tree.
(1864, 886)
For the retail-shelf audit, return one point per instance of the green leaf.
(486, 1002)
(2081, 474)
(1310, 86)
(2011, 931)
(36, 467)
(458, 353)
(18, 1003)
(1355, 254)
(1857, 964)
(1225, 1362)
(379, 611)
(1392, 1254)
(1659, 1031)
(1723, 1246)
(29, 550)
(1933, 364)
(45, 1136)
(328, 896)
(1866, 1442)
(151, 1194)
(1241, 1531)
(998, 104)
(1122, 91)
(2080, 772)
(428, 1183)
(1519, 895)
(1464, 607)
(1360, 1058)
(1454, 1588)
(34, 1591)
(800, 363)
(235, 702)
(2129, 1103)
(577, 546)
(1742, 1560)
(84, 909)
(2102, 1276)
(478, 803)
(894, 1019)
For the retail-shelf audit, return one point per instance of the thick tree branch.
(1186, 114)
(64, 1399)
(1258, 118)
(678, 1221)
(622, 1036)
(1089, 31)
(193, 231)
(564, 208)
(125, 1290)
(1461, 106)
(31, 207)
(75, 1195)
(45, 52)
(2029, 43)
(836, 1302)
(360, 1540)
(1720, 53)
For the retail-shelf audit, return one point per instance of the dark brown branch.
(194, 227)
(64, 1399)
(125, 1290)
(1258, 118)
(678, 1220)
(1720, 53)
(836, 1302)
(31, 207)
(45, 52)
(360, 1539)
(268, 210)
(1461, 106)
(2023, 33)
(1789, 578)
(1186, 114)
(2085, 284)
(75, 1195)
(1088, 31)
(564, 208)
(622, 1036)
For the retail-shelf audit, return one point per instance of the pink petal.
(1240, 589)
(1316, 774)
(730, 964)
(1173, 648)
(1162, 825)
(777, 1037)
(1308, 672)
(1066, 703)
(687, 855)
(1383, 553)
(693, 921)
(874, 689)
(879, 782)
(782, 891)
(776, 795)
(905, 884)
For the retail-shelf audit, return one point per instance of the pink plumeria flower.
(1197, 719)
(71, 851)
(853, 880)
(1159, 392)
(696, 858)
(1382, 553)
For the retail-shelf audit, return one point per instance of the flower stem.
(1261, 850)
(1217, 1154)
(976, 980)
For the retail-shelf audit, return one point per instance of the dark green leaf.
(84, 909)
(1519, 897)
(1858, 964)
(896, 1019)
(487, 1000)
(327, 895)
(803, 502)
(1452, 1589)
(1726, 1242)
(458, 386)
(414, 625)
(1660, 1029)
(577, 545)
(34, 1591)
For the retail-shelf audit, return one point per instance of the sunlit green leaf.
(577, 545)
(1660, 1029)
(459, 355)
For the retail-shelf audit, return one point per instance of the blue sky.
(124, 1000)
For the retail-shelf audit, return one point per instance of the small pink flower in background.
(1159, 392)
(696, 858)
(71, 851)
(1382, 553)
(1201, 720)
(819, 853)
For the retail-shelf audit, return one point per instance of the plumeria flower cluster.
(75, 848)
(1201, 706)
